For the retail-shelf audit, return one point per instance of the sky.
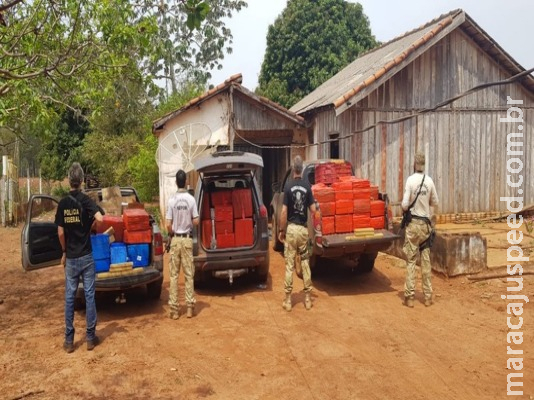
(508, 23)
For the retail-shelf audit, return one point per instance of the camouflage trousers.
(417, 232)
(297, 243)
(181, 256)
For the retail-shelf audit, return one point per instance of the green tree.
(310, 42)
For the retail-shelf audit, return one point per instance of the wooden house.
(229, 116)
(465, 141)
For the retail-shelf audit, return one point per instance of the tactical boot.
(307, 301)
(68, 347)
(174, 315)
(91, 344)
(428, 302)
(408, 302)
(287, 302)
(190, 311)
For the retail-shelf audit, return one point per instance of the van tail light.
(158, 244)
(263, 211)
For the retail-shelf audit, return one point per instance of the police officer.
(419, 195)
(181, 215)
(298, 198)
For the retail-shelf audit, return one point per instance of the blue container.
(119, 253)
(100, 244)
(138, 254)
(102, 265)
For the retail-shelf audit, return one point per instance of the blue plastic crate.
(119, 253)
(102, 265)
(139, 254)
(100, 244)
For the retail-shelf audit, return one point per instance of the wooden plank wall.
(465, 142)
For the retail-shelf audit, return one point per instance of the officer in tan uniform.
(298, 198)
(418, 230)
(181, 215)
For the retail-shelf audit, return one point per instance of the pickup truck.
(363, 250)
(40, 248)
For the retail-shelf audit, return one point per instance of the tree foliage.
(310, 42)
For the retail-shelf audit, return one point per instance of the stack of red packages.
(361, 221)
(242, 203)
(325, 173)
(378, 208)
(343, 223)
(221, 198)
(344, 197)
(137, 226)
(112, 221)
(326, 196)
(328, 225)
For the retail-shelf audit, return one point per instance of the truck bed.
(337, 244)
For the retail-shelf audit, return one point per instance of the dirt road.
(358, 341)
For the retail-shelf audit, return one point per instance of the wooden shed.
(229, 116)
(465, 142)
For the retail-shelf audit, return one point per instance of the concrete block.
(452, 253)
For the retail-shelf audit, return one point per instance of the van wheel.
(277, 244)
(366, 262)
(153, 290)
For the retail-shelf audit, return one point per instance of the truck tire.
(366, 262)
(277, 244)
(153, 290)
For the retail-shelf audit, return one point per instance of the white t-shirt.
(427, 198)
(182, 209)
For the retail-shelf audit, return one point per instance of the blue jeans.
(75, 268)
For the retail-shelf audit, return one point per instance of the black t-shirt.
(298, 197)
(75, 213)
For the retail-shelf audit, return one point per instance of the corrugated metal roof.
(369, 68)
(235, 81)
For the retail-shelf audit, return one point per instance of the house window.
(334, 145)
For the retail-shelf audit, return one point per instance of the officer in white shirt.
(419, 195)
(181, 216)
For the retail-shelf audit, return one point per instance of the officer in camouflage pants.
(298, 198)
(181, 215)
(419, 195)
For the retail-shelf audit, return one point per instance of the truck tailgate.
(338, 244)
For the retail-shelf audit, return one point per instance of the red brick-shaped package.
(378, 222)
(323, 193)
(361, 193)
(328, 209)
(344, 195)
(343, 223)
(362, 206)
(134, 237)
(224, 226)
(328, 225)
(344, 206)
(206, 233)
(225, 240)
(242, 202)
(244, 235)
(221, 197)
(361, 221)
(378, 208)
(112, 221)
(325, 173)
(224, 213)
(358, 183)
(342, 185)
(136, 219)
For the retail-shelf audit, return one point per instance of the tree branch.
(7, 6)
